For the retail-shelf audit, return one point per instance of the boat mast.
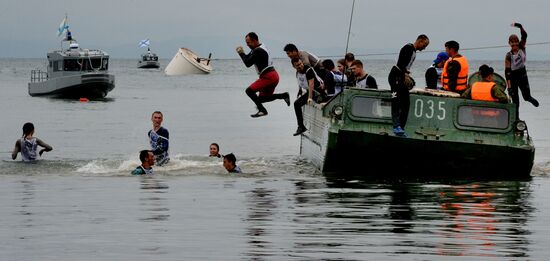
(349, 29)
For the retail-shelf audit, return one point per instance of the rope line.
(462, 49)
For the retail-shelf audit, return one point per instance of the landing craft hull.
(442, 141)
(369, 154)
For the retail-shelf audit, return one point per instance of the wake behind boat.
(73, 72)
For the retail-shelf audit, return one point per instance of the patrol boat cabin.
(73, 73)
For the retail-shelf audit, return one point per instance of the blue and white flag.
(144, 43)
(64, 25)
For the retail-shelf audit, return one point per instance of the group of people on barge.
(319, 80)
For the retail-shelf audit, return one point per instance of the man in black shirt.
(400, 90)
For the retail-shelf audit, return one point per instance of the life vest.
(269, 61)
(304, 83)
(481, 91)
(156, 140)
(462, 80)
(28, 149)
(302, 80)
(439, 72)
(339, 80)
(517, 61)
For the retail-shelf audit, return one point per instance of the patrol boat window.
(483, 117)
(368, 107)
(90, 64)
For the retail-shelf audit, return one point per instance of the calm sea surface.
(80, 203)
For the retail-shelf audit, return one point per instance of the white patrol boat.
(73, 73)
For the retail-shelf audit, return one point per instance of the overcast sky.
(28, 27)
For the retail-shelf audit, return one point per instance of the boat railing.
(39, 76)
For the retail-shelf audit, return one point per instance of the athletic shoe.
(287, 98)
(259, 114)
(299, 131)
(534, 102)
(398, 131)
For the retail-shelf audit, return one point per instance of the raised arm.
(523, 33)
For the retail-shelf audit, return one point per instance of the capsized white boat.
(187, 62)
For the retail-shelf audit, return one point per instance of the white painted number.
(430, 109)
(441, 106)
(430, 113)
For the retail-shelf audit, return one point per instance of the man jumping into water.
(268, 76)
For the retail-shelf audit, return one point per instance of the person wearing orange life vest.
(486, 89)
(455, 71)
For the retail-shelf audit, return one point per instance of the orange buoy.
(84, 100)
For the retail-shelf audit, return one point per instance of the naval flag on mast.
(64, 25)
(144, 43)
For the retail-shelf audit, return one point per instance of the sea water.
(79, 202)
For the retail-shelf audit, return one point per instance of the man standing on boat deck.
(158, 138)
(268, 76)
(454, 76)
(400, 86)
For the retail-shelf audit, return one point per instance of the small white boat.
(187, 62)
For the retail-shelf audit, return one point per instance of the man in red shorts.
(268, 76)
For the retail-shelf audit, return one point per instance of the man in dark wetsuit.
(400, 91)
(159, 139)
(514, 68)
(268, 76)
